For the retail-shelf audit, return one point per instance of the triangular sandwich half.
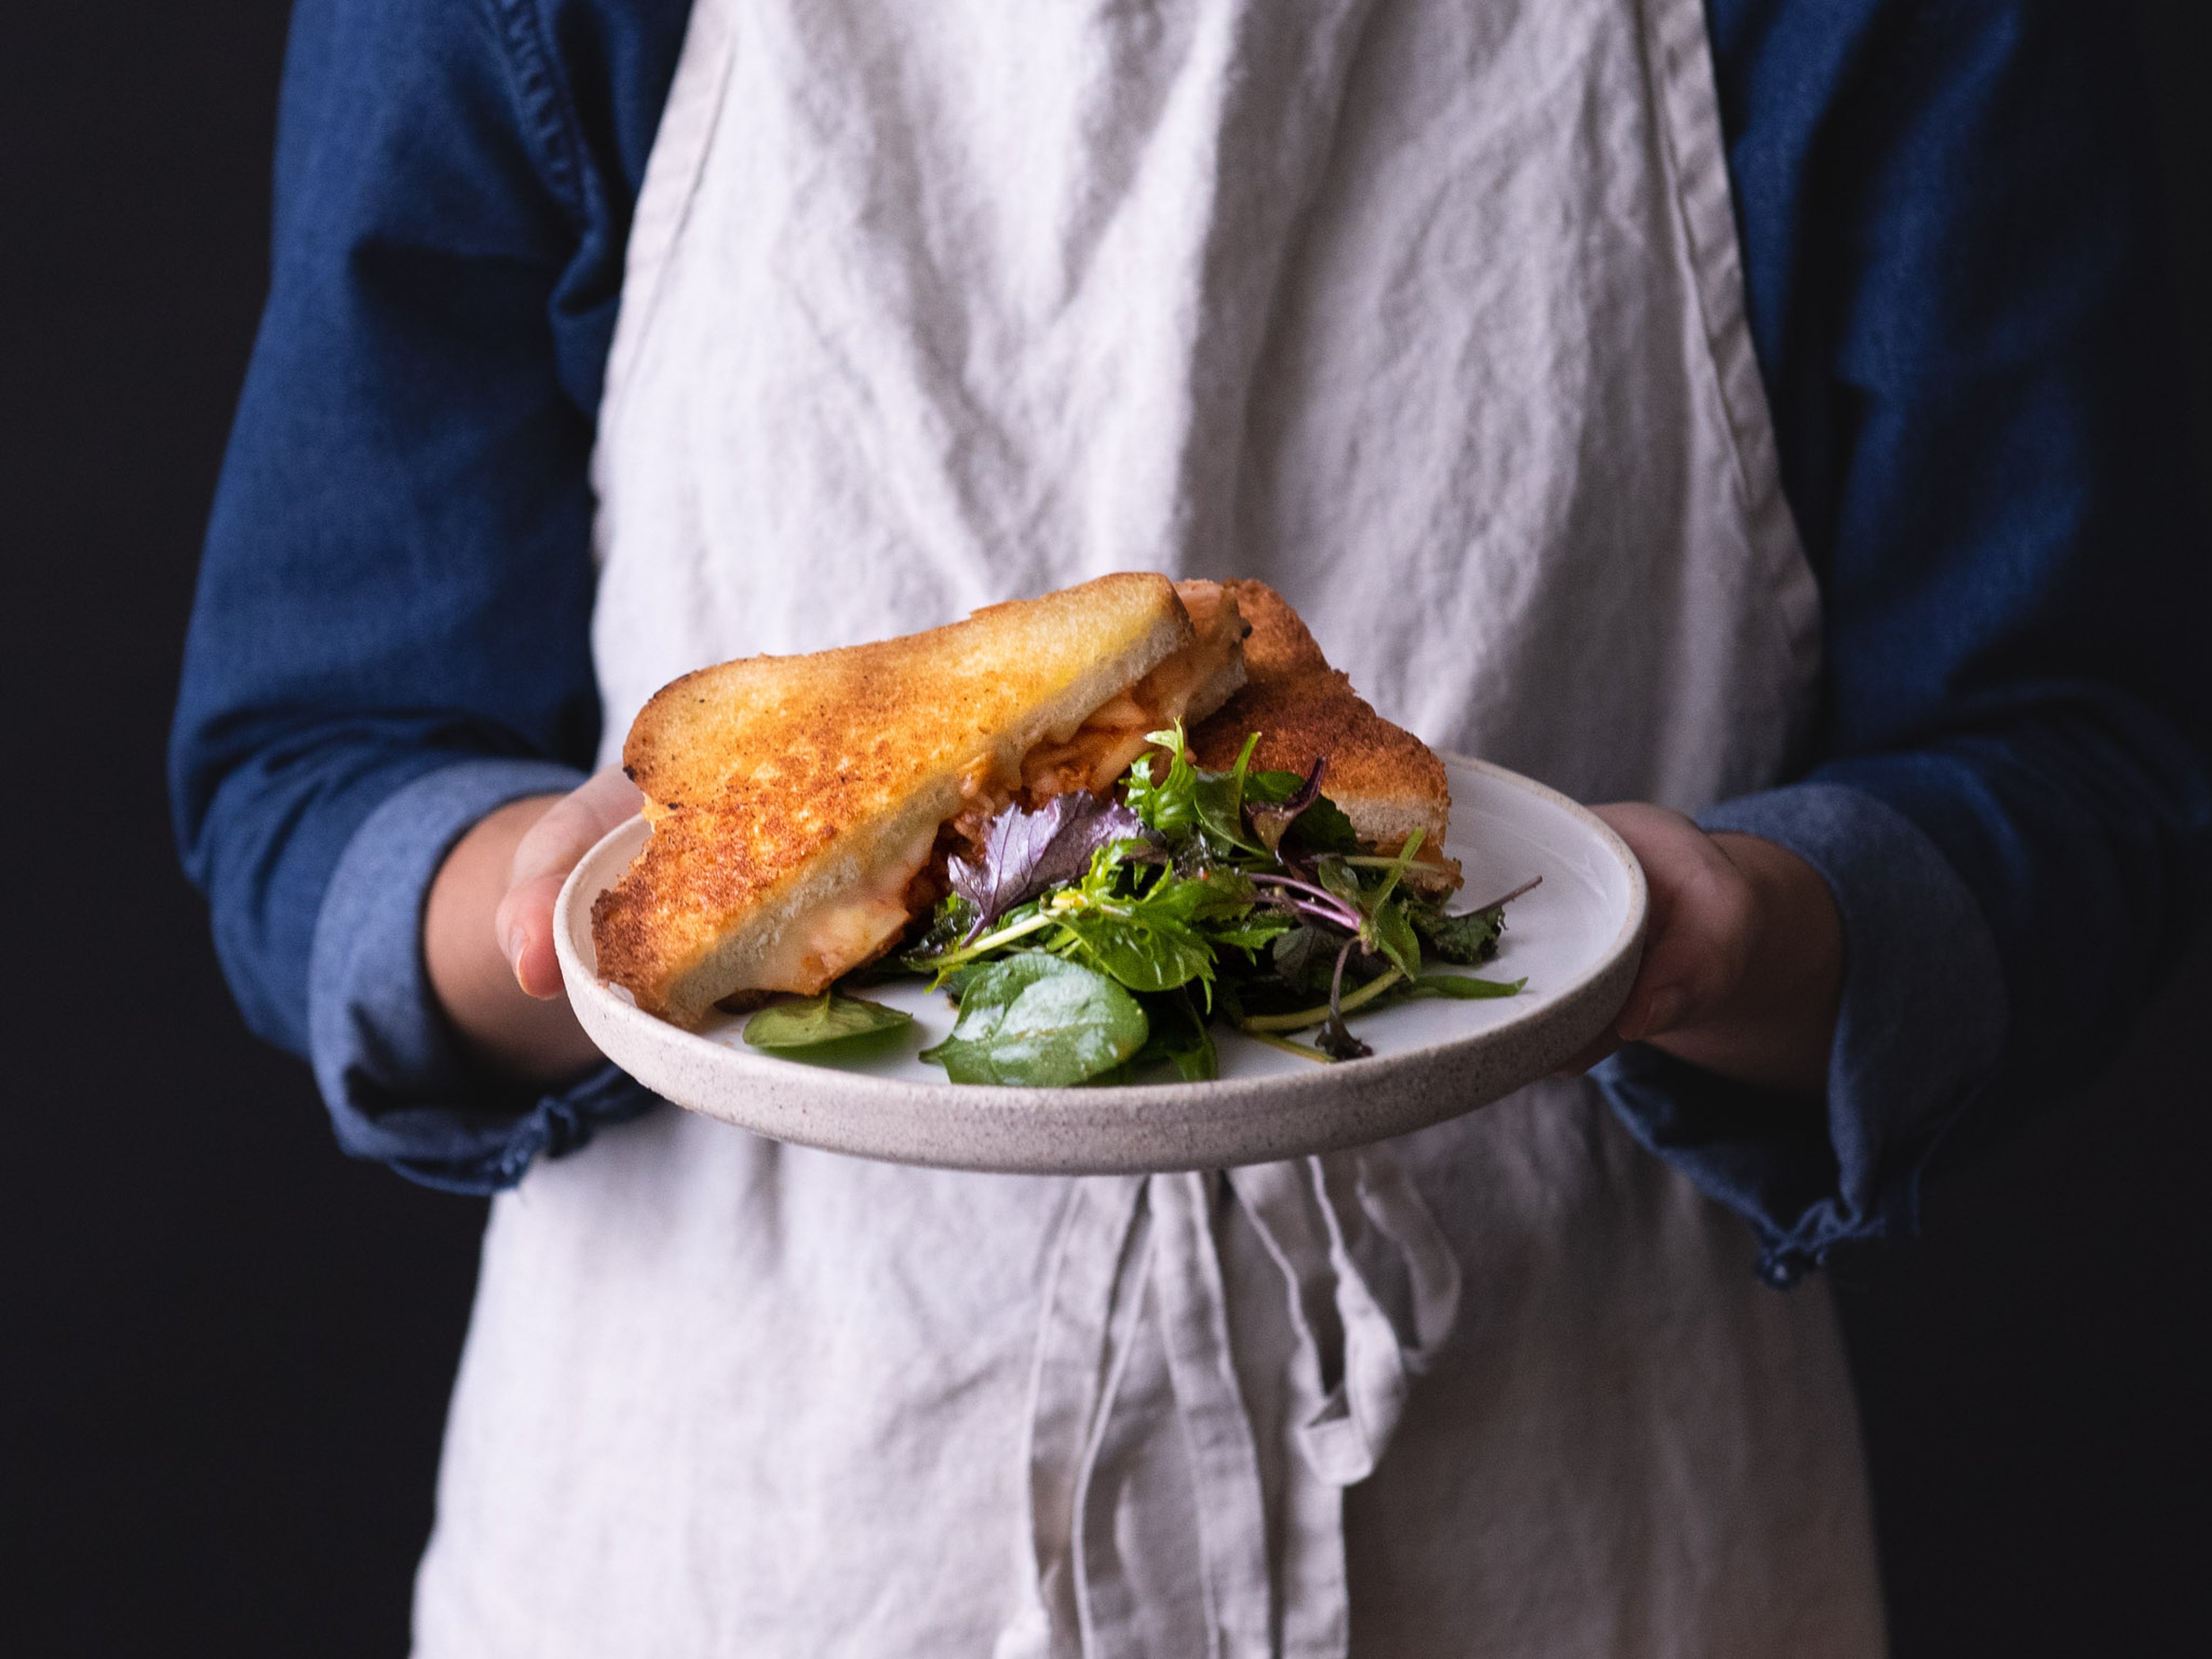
(1387, 781)
(802, 807)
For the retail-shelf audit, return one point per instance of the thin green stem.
(1398, 869)
(1288, 1046)
(1255, 1024)
(990, 942)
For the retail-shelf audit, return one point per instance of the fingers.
(1742, 954)
(1697, 936)
(551, 847)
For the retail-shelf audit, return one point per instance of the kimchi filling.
(1097, 752)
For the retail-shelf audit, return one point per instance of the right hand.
(488, 927)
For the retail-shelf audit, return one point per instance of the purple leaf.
(1271, 822)
(1026, 851)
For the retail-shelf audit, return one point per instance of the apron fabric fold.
(1135, 1344)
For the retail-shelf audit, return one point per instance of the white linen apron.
(1429, 315)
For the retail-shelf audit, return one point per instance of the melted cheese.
(831, 940)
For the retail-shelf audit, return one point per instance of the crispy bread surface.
(777, 785)
(1385, 779)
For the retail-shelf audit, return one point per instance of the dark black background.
(225, 1349)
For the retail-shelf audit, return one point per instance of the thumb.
(544, 858)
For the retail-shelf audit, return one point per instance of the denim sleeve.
(1954, 270)
(1922, 1023)
(399, 1089)
(395, 592)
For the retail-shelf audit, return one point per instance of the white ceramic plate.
(1577, 939)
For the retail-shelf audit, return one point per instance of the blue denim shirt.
(1949, 250)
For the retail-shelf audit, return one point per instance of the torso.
(1429, 316)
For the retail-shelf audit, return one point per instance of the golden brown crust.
(1302, 710)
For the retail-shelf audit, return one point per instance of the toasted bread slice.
(795, 799)
(1386, 779)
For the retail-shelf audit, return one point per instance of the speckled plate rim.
(1128, 1128)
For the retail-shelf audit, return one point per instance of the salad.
(1103, 939)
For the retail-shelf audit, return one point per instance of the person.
(1758, 410)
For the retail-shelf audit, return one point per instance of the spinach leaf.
(1037, 1018)
(811, 1021)
(1464, 988)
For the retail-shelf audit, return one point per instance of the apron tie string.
(1136, 1339)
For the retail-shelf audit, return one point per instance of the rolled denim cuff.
(1922, 1023)
(398, 1087)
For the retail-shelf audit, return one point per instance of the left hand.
(1743, 956)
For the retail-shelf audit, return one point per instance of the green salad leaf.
(1145, 953)
(832, 1016)
(1395, 938)
(1320, 826)
(1219, 801)
(1469, 940)
(1182, 1036)
(1145, 935)
(1168, 805)
(1303, 957)
(1464, 988)
(1034, 1017)
(1253, 933)
(1196, 1060)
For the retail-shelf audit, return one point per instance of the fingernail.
(512, 941)
(1667, 1011)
